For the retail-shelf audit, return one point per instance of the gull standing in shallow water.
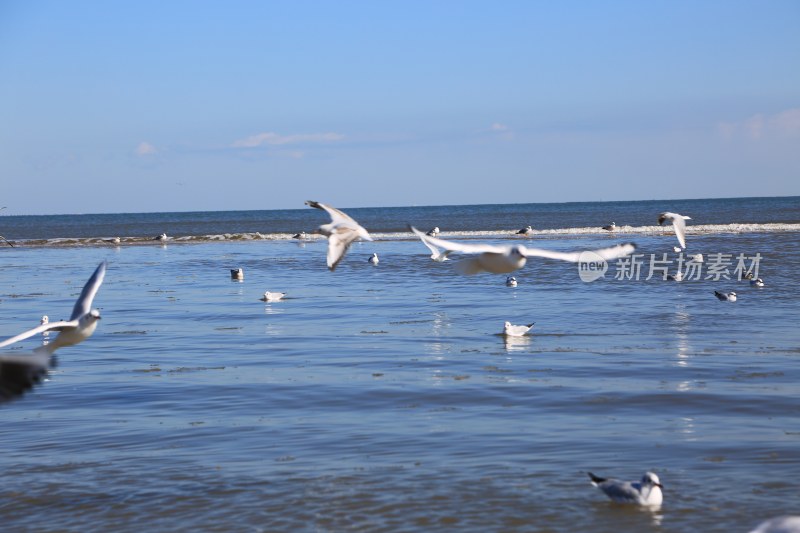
(678, 222)
(506, 259)
(341, 232)
(526, 231)
(645, 492)
(516, 331)
(610, 227)
(20, 372)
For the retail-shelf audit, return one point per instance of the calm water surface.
(380, 398)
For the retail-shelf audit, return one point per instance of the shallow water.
(381, 398)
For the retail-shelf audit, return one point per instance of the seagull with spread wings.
(505, 259)
(341, 232)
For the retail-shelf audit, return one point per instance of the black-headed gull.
(516, 331)
(725, 296)
(645, 492)
(506, 259)
(341, 232)
(374, 259)
(81, 324)
(610, 227)
(678, 222)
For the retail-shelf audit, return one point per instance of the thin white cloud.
(145, 148)
(498, 127)
(760, 126)
(274, 139)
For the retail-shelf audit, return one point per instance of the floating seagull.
(678, 276)
(115, 240)
(341, 233)
(678, 222)
(81, 324)
(434, 232)
(302, 235)
(237, 273)
(780, 524)
(373, 259)
(677, 249)
(645, 492)
(758, 282)
(527, 230)
(610, 227)
(516, 331)
(506, 259)
(436, 254)
(272, 296)
(697, 258)
(163, 238)
(725, 296)
(511, 281)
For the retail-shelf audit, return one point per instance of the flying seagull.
(81, 324)
(506, 259)
(341, 232)
(645, 492)
(19, 372)
(678, 222)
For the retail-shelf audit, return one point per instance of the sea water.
(382, 397)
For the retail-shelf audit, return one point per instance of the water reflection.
(516, 344)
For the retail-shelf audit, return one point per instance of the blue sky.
(176, 106)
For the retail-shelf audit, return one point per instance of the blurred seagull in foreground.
(516, 331)
(645, 492)
(725, 296)
(506, 259)
(341, 232)
(678, 222)
(780, 524)
(272, 296)
(19, 372)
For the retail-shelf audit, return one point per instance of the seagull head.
(517, 252)
(651, 480)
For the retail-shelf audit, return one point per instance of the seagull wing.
(20, 372)
(620, 491)
(40, 329)
(335, 214)
(460, 247)
(679, 223)
(612, 252)
(338, 244)
(84, 303)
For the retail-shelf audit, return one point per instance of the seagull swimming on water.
(434, 232)
(374, 259)
(272, 296)
(511, 281)
(237, 273)
(516, 331)
(645, 492)
(678, 222)
(758, 282)
(725, 296)
(506, 259)
(527, 230)
(341, 232)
